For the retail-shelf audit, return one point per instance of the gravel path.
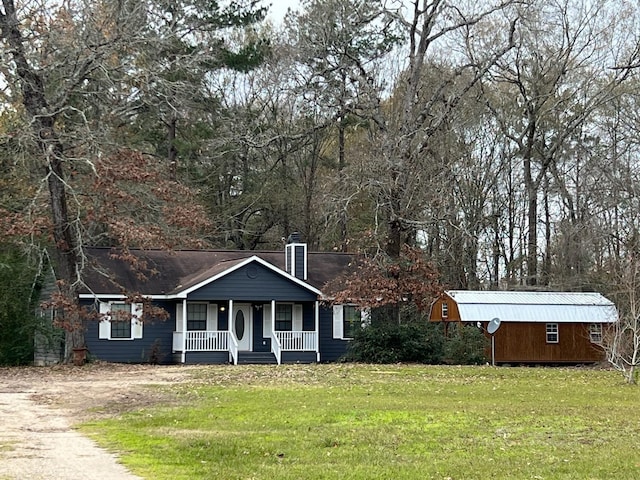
(37, 441)
(39, 444)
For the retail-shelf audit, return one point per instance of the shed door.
(241, 324)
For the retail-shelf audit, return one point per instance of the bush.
(418, 342)
(17, 319)
(393, 343)
(466, 345)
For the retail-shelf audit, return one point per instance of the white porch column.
(230, 316)
(317, 319)
(184, 330)
(273, 317)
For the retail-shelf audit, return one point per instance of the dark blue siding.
(223, 318)
(309, 317)
(253, 282)
(155, 345)
(300, 261)
(260, 344)
(331, 349)
(299, 357)
(206, 358)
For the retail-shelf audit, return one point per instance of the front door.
(241, 324)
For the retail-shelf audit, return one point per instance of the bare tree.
(622, 341)
(559, 74)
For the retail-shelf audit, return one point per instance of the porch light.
(223, 308)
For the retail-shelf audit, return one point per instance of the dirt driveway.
(40, 405)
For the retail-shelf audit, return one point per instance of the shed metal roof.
(556, 307)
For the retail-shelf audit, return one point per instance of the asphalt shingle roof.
(164, 272)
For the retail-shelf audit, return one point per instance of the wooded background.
(501, 138)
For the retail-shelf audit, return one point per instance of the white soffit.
(554, 307)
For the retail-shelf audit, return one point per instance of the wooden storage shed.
(535, 327)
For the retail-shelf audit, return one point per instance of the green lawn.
(385, 422)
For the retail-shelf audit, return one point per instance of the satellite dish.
(493, 326)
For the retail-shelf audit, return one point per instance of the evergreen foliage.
(17, 318)
(465, 345)
(393, 343)
(418, 342)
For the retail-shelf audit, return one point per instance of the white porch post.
(273, 317)
(317, 319)
(184, 330)
(230, 316)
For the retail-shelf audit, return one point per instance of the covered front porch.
(246, 332)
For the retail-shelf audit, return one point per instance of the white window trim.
(296, 316)
(338, 320)
(595, 329)
(212, 316)
(445, 310)
(104, 328)
(552, 331)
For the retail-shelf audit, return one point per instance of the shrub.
(17, 319)
(465, 345)
(393, 343)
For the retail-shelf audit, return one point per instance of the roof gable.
(175, 274)
(225, 268)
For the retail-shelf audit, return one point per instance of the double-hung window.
(552, 333)
(348, 320)
(352, 321)
(595, 333)
(284, 317)
(197, 316)
(120, 321)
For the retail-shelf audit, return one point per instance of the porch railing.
(276, 348)
(233, 348)
(226, 341)
(207, 341)
(298, 341)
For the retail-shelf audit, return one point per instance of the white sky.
(279, 7)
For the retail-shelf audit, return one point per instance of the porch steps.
(256, 358)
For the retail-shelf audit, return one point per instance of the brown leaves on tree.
(67, 311)
(138, 207)
(411, 278)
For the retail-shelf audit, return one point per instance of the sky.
(279, 7)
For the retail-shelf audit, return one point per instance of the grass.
(385, 422)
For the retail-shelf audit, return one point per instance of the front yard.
(364, 422)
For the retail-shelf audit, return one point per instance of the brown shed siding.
(453, 314)
(527, 343)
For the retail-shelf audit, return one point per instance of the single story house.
(223, 306)
(533, 327)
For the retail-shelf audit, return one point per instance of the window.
(284, 317)
(445, 310)
(552, 333)
(348, 320)
(352, 321)
(196, 316)
(595, 332)
(120, 320)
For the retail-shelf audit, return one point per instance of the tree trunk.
(342, 219)
(172, 153)
(43, 124)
